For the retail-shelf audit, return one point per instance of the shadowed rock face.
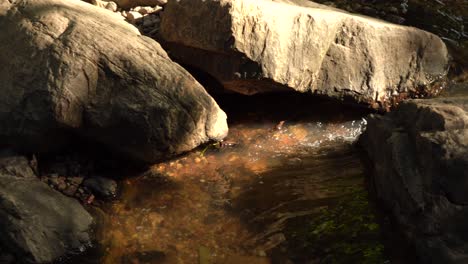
(419, 155)
(133, 3)
(38, 224)
(72, 68)
(265, 45)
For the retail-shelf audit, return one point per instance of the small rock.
(16, 165)
(102, 187)
(112, 6)
(53, 182)
(61, 186)
(70, 190)
(133, 15)
(157, 9)
(90, 199)
(75, 180)
(150, 21)
(144, 10)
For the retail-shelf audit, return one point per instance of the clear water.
(234, 202)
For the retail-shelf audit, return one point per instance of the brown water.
(233, 202)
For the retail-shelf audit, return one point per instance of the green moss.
(347, 232)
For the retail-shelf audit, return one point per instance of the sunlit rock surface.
(264, 45)
(419, 155)
(447, 19)
(69, 68)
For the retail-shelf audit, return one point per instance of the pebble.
(75, 180)
(70, 190)
(112, 6)
(144, 10)
(133, 15)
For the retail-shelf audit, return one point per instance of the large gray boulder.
(253, 46)
(69, 68)
(37, 223)
(419, 157)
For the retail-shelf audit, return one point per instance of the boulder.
(419, 158)
(38, 224)
(70, 69)
(279, 45)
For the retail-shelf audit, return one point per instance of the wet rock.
(419, 156)
(38, 224)
(62, 76)
(303, 46)
(102, 187)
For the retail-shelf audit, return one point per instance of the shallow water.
(235, 202)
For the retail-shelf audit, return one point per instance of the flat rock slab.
(70, 69)
(419, 157)
(253, 46)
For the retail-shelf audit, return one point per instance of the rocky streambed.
(113, 151)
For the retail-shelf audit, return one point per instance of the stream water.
(288, 161)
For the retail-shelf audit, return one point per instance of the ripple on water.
(287, 158)
(230, 204)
